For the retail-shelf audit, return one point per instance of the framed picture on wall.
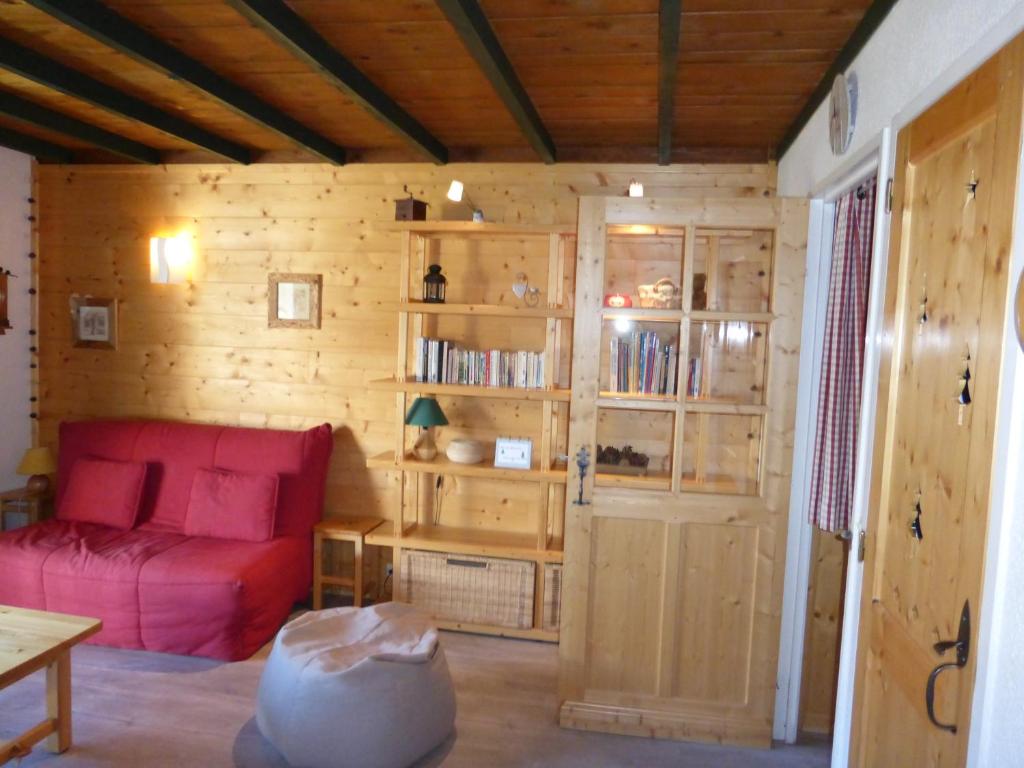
(294, 301)
(94, 322)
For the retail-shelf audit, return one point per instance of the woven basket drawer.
(470, 589)
(552, 595)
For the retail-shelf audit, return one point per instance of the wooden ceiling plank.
(669, 20)
(56, 76)
(295, 34)
(872, 19)
(30, 145)
(469, 21)
(42, 117)
(98, 21)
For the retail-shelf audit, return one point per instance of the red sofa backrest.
(174, 451)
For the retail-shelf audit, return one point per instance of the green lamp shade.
(425, 412)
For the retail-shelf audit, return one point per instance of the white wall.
(909, 54)
(15, 244)
(921, 50)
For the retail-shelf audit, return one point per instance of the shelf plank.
(720, 485)
(544, 635)
(466, 541)
(725, 317)
(639, 314)
(484, 310)
(628, 402)
(442, 465)
(465, 390)
(660, 481)
(477, 228)
(724, 407)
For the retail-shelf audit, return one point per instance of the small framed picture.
(94, 322)
(294, 301)
(513, 453)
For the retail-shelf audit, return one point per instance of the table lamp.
(425, 413)
(38, 463)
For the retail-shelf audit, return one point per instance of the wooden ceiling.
(441, 80)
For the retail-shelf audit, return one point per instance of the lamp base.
(38, 485)
(425, 449)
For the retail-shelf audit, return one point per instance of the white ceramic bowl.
(465, 451)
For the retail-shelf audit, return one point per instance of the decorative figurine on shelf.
(409, 208)
(618, 301)
(529, 294)
(5, 323)
(582, 462)
(434, 285)
(700, 291)
(624, 461)
(425, 414)
(663, 294)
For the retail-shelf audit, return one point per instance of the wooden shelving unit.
(414, 526)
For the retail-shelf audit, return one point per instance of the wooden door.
(946, 297)
(673, 575)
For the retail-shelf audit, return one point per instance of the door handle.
(962, 646)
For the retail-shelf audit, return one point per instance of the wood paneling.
(202, 351)
(821, 641)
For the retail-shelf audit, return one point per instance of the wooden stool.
(340, 529)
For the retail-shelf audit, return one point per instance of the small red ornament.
(617, 301)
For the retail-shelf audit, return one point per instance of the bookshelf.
(494, 512)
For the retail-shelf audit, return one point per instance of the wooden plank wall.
(821, 641)
(202, 351)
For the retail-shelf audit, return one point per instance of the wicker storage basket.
(552, 596)
(470, 589)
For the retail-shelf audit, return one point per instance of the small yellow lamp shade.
(37, 461)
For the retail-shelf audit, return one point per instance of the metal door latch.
(962, 646)
(582, 462)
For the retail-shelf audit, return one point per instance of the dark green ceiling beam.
(39, 69)
(470, 22)
(98, 21)
(41, 117)
(30, 145)
(669, 16)
(291, 30)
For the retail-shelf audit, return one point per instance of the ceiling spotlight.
(636, 189)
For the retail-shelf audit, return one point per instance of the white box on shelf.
(513, 453)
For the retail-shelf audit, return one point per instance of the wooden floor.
(140, 709)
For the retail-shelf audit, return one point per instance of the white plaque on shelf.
(513, 453)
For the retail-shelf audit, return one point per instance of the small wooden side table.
(22, 501)
(352, 529)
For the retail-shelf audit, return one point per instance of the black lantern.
(433, 285)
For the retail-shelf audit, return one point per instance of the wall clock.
(842, 112)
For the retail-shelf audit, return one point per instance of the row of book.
(642, 364)
(439, 361)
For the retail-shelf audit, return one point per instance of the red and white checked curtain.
(835, 445)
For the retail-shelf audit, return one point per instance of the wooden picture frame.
(293, 300)
(93, 322)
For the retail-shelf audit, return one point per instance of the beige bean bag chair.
(356, 688)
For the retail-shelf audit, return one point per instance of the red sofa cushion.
(103, 492)
(232, 505)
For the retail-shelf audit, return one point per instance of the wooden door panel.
(715, 592)
(954, 200)
(626, 586)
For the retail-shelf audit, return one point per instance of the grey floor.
(140, 709)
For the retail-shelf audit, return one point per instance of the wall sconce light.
(636, 189)
(169, 259)
(456, 193)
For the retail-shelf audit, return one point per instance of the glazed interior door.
(684, 371)
(953, 203)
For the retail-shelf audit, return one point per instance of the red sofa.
(154, 587)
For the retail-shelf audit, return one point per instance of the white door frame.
(876, 155)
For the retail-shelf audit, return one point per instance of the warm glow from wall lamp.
(636, 189)
(169, 259)
(457, 194)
